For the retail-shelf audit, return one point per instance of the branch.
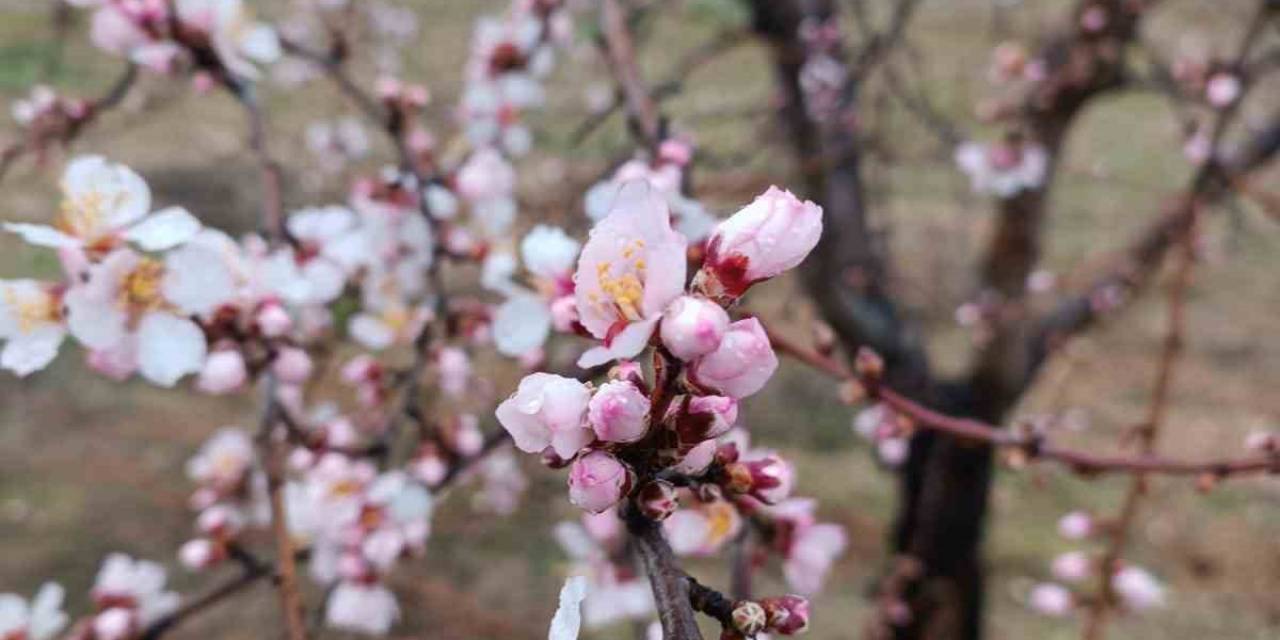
(250, 574)
(671, 586)
(1034, 446)
(66, 131)
(272, 455)
(619, 48)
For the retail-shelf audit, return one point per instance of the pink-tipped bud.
(597, 481)
(696, 461)
(116, 623)
(292, 366)
(1076, 525)
(657, 500)
(693, 326)
(741, 365)
(788, 615)
(1072, 566)
(219, 521)
(619, 412)
(224, 371)
(721, 410)
(200, 554)
(564, 314)
(771, 235)
(273, 321)
(1051, 599)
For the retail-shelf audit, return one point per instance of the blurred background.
(89, 466)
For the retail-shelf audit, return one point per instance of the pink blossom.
(723, 411)
(771, 235)
(455, 370)
(1051, 599)
(1222, 89)
(772, 478)
(814, 549)
(547, 410)
(697, 459)
(619, 412)
(363, 608)
(631, 268)
(273, 321)
(198, 554)
(702, 528)
(597, 481)
(693, 326)
(1138, 588)
(1076, 525)
(224, 371)
(1072, 566)
(741, 365)
(292, 365)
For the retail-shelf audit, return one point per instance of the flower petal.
(567, 621)
(41, 235)
(169, 347)
(164, 229)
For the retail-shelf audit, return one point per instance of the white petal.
(125, 192)
(169, 347)
(96, 323)
(261, 43)
(371, 332)
(568, 618)
(164, 229)
(521, 325)
(197, 279)
(32, 351)
(41, 235)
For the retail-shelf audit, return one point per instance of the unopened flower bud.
(1050, 599)
(787, 615)
(224, 371)
(741, 365)
(619, 412)
(200, 553)
(273, 321)
(749, 618)
(868, 364)
(1076, 525)
(598, 481)
(292, 366)
(693, 326)
(115, 623)
(771, 235)
(657, 500)
(1072, 566)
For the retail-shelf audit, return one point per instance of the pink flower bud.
(467, 438)
(564, 314)
(788, 615)
(455, 370)
(219, 520)
(273, 321)
(693, 326)
(698, 459)
(115, 623)
(1076, 525)
(224, 371)
(1072, 566)
(771, 478)
(199, 554)
(677, 152)
(741, 365)
(547, 410)
(722, 410)
(619, 412)
(1222, 89)
(1050, 599)
(657, 500)
(598, 481)
(292, 366)
(1264, 441)
(361, 369)
(771, 235)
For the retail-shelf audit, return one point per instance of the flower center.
(82, 217)
(624, 292)
(33, 311)
(141, 288)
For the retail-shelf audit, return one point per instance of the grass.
(88, 466)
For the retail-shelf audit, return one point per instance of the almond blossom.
(40, 619)
(140, 308)
(103, 205)
(240, 42)
(1003, 169)
(631, 268)
(130, 595)
(548, 411)
(31, 323)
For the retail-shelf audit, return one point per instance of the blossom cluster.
(646, 442)
(1134, 587)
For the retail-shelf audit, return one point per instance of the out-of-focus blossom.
(1003, 169)
(40, 619)
(1051, 599)
(567, 620)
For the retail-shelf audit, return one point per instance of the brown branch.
(66, 131)
(272, 454)
(251, 572)
(619, 48)
(1036, 447)
(671, 586)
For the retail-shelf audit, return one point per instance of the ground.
(88, 466)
